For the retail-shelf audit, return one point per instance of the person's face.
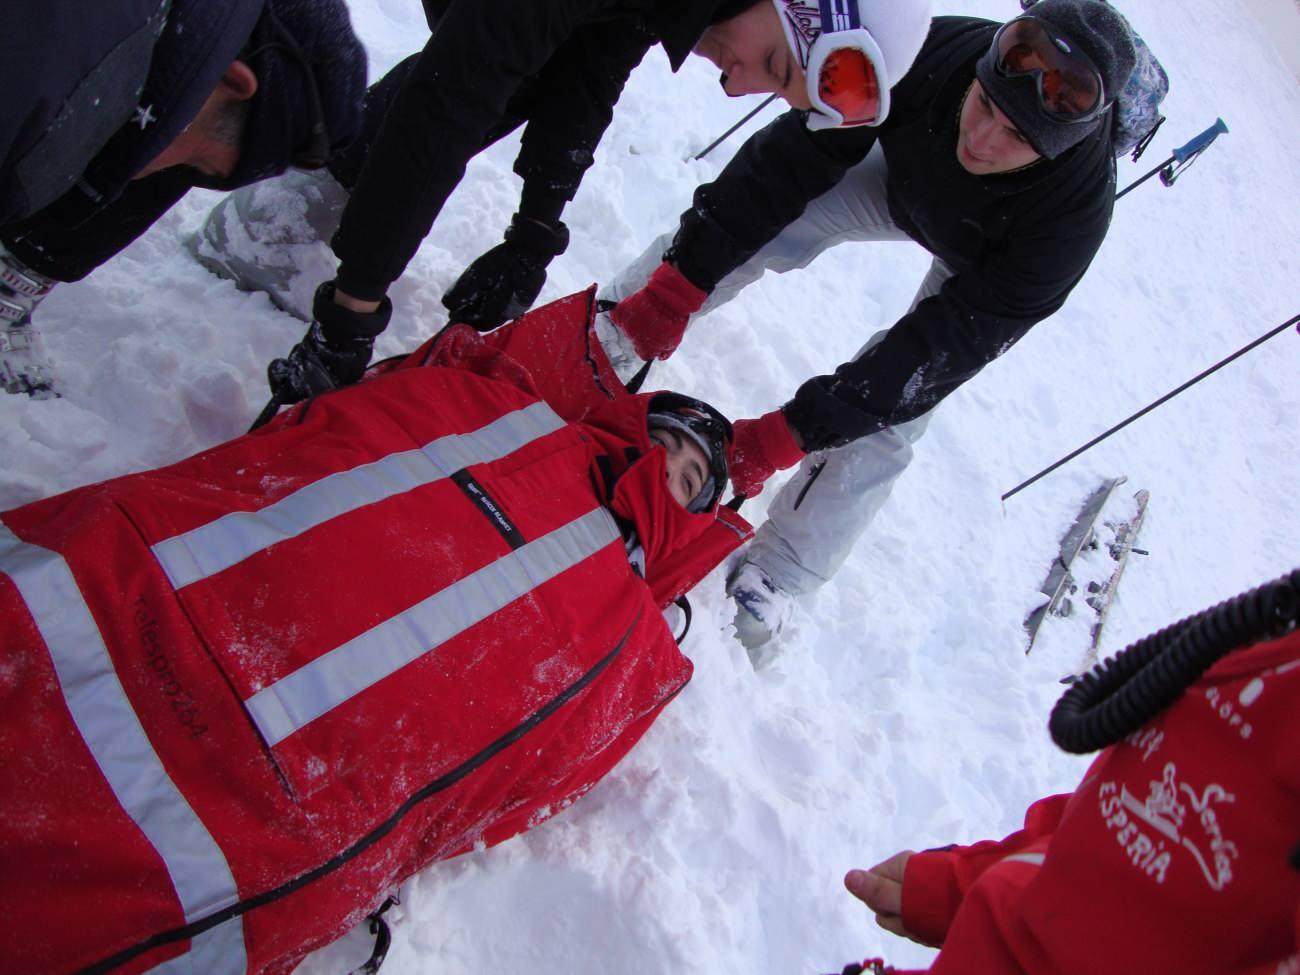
(987, 141)
(210, 143)
(686, 468)
(751, 51)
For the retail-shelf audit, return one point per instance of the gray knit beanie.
(1095, 28)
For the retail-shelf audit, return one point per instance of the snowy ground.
(903, 711)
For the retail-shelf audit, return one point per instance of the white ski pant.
(819, 514)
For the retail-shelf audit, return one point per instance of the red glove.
(761, 448)
(654, 318)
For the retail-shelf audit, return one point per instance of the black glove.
(504, 282)
(334, 352)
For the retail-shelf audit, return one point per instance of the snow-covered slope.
(903, 711)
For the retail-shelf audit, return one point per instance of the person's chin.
(972, 164)
(709, 52)
(722, 83)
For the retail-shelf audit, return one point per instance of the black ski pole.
(268, 411)
(1183, 155)
(1163, 399)
(720, 139)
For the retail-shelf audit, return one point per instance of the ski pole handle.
(1200, 143)
(1182, 155)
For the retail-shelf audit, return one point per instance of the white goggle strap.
(859, 39)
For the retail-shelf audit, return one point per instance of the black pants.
(346, 166)
(65, 244)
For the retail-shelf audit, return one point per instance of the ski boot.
(24, 367)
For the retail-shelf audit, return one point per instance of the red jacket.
(243, 696)
(1171, 856)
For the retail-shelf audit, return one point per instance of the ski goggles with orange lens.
(843, 71)
(1069, 84)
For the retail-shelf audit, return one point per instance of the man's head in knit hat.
(1050, 75)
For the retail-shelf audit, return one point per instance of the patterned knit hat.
(311, 73)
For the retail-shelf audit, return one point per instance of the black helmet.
(707, 428)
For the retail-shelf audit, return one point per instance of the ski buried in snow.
(1102, 595)
(1104, 522)
(1059, 583)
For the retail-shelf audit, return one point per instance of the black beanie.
(278, 128)
(1095, 28)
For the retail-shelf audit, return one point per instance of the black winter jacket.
(93, 92)
(574, 56)
(96, 91)
(1018, 242)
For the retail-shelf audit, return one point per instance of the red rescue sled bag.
(244, 696)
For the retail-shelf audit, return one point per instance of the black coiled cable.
(1120, 696)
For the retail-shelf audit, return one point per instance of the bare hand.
(881, 889)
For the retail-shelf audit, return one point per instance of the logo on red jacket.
(1175, 815)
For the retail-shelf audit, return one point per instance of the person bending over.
(995, 157)
(557, 69)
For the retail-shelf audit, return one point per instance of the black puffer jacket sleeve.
(978, 314)
(456, 94)
(768, 183)
(571, 105)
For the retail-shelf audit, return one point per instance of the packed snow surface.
(902, 710)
